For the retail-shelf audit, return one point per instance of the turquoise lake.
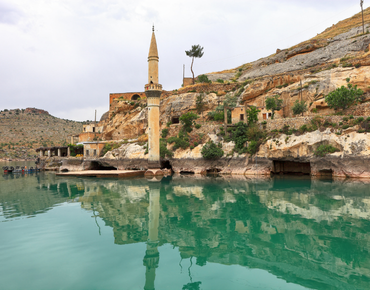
(183, 232)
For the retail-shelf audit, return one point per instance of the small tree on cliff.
(196, 51)
(299, 107)
(344, 97)
(274, 104)
(252, 114)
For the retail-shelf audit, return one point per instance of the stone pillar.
(153, 122)
(59, 153)
(49, 153)
(68, 152)
(72, 140)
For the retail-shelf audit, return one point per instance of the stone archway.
(135, 97)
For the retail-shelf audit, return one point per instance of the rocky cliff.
(307, 71)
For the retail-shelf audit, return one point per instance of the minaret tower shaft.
(153, 92)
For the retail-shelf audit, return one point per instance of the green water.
(183, 233)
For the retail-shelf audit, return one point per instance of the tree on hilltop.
(196, 51)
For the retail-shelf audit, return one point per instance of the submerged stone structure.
(153, 92)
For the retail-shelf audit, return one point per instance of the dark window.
(135, 97)
(175, 120)
(94, 152)
(241, 117)
(93, 129)
(87, 152)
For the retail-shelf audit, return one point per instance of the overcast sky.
(66, 56)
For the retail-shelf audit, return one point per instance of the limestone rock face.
(303, 147)
(352, 159)
(127, 151)
(177, 105)
(314, 88)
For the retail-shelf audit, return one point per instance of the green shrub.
(171, 140)
(239, 135)
(221, 81)
(359, 120)
(345, 127)
(179, 143)
(351, 117)
(212, 151)
(274, 104)
(191, 147)
(199, 103)
(169, 124)
(299, 107)
(216, 115)
(303, 128)
(203, 79)
(252, 113)
(252, 147)
(197, 126)
(340, 123)
(187, 120)
(345, 119)
(361, 131)
(323, 150)
(163, 151)
(344, 97)
(368, 119)
(164, 133)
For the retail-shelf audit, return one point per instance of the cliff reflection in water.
(312, 233)
(308, 232)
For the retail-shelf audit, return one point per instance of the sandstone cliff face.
(305, 72)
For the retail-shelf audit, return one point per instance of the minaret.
(153, 92)
(151, 259)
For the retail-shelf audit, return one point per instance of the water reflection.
(311, 233)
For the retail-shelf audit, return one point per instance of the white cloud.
(67, 56)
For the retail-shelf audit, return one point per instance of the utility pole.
(362, 10)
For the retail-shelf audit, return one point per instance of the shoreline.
(17, 160)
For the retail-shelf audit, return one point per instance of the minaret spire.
(153, 91)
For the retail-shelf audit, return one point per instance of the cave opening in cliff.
(185, 172)
(94, 165)
(291, 168)
(326, 173)
(213, 171)
(166, 164)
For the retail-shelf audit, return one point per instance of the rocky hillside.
(24, 130)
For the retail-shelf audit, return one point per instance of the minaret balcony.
(153, 87)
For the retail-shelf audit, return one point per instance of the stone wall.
(125, 96)
(297, 122)
(362, 110)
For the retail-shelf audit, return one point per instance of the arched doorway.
(135, 97)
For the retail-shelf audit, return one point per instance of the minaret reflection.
(151, 258)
